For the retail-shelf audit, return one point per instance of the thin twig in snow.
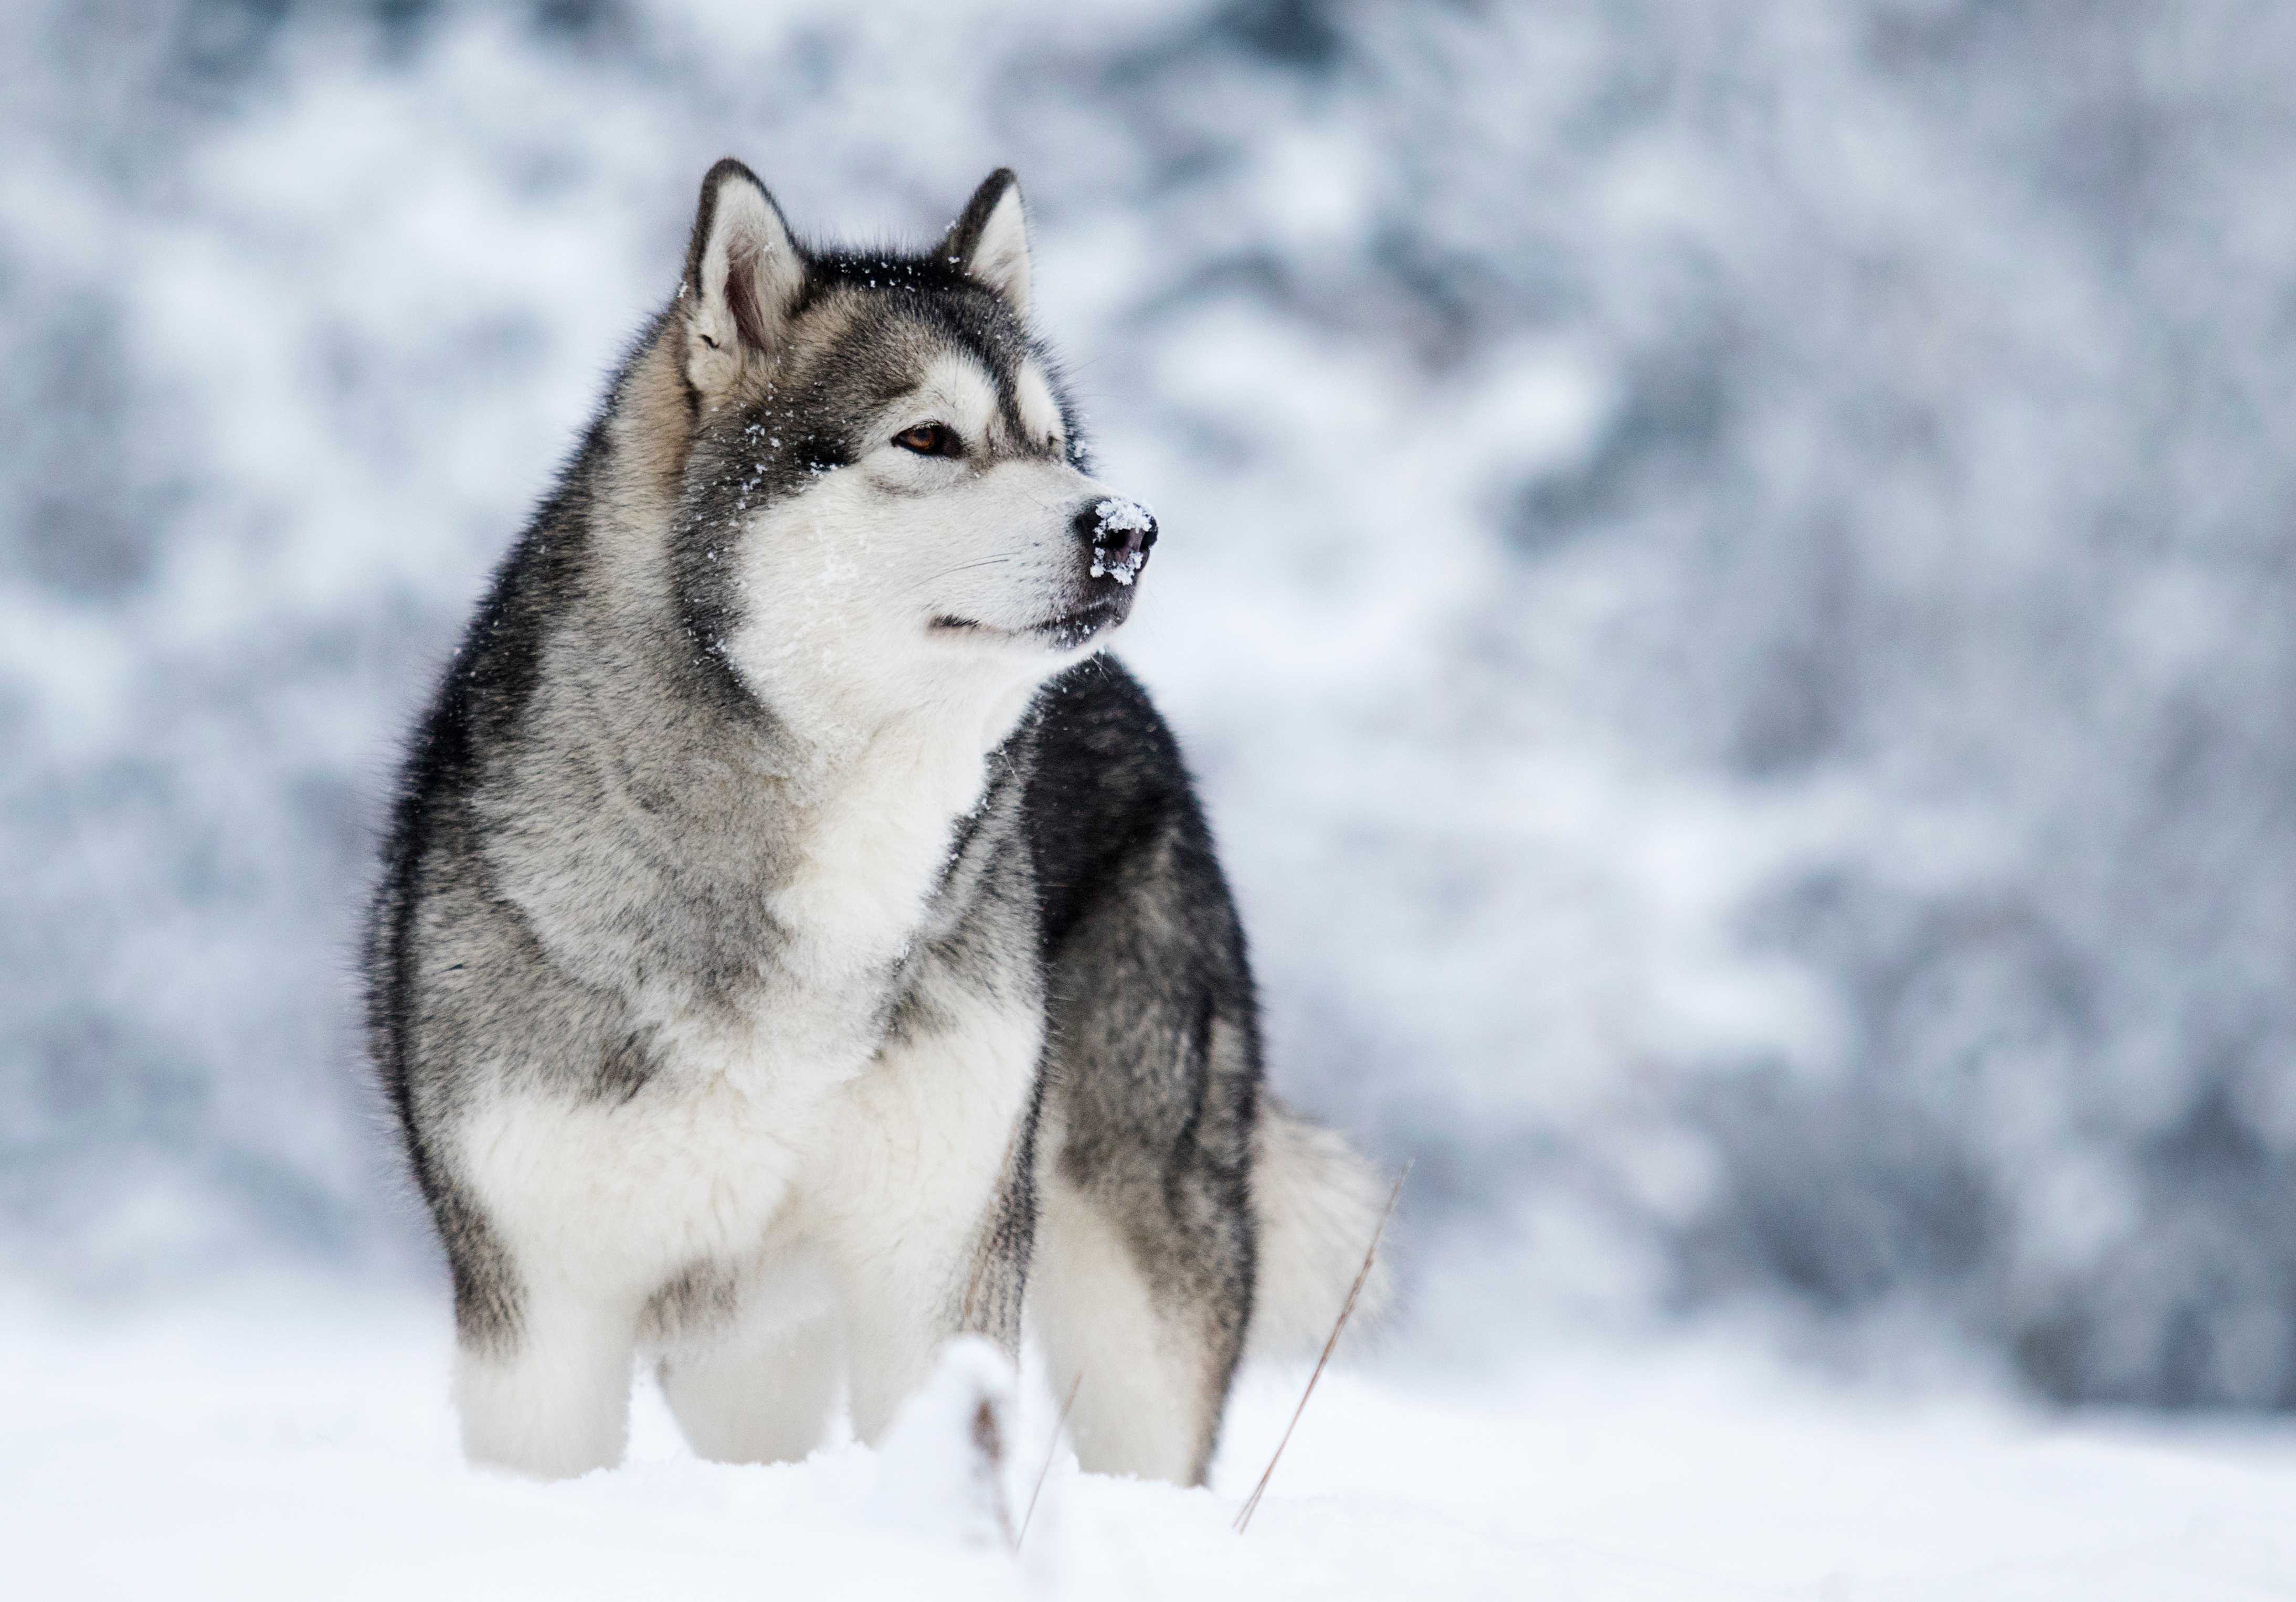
(1251, 1503)
(1052, 1450)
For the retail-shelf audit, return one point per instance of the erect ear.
(744, 272)
(990, 241)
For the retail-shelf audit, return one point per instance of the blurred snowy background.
(1728, 573)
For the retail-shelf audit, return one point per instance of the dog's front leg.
(897, 1321)
(548, 1397)
(925, 1203)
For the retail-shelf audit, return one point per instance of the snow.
(946, 1468)
(1118, 515)
(297, 1442)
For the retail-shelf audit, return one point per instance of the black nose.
(1120, 532)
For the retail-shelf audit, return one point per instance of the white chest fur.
(874, 836)
(614, 1197)
(703, 1164)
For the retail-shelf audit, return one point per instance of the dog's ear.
(990, 241)
(744, 272)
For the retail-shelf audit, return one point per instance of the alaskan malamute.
(796, 946)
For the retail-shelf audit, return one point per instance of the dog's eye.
(931, 439)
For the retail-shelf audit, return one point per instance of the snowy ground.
(276, 1448)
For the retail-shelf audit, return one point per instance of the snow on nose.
(1122, 532)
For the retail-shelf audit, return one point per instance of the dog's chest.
(750, 1139)
(868, 854)
(748, 1103)
(870, 851)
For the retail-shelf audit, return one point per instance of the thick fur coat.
(795, 945)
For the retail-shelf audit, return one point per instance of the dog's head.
(884, 501)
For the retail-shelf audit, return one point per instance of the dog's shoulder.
(479, 701)
(482, 694)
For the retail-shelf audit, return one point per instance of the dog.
(796, 945)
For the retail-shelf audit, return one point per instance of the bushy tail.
(1317, 1204)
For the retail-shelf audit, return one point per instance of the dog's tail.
(1317, 1204)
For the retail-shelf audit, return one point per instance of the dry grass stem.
(1052, 1450)
(1371, 1254)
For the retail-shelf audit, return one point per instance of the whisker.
(928, 579)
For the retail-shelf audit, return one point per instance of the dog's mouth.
(1063, 632)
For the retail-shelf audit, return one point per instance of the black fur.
(1153, 1019)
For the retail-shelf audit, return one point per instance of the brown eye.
(931, 439)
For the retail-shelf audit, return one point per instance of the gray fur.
(610, 795)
